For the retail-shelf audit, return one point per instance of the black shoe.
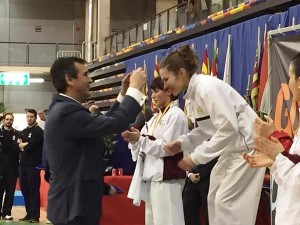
(34, 221)
(26, 219)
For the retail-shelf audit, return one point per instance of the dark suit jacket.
(204, 171)
(74, 149)
(9, 151)
(140, 119)
(33, 152)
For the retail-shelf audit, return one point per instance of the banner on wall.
(285, 111)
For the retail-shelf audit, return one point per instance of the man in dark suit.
(31, 147)
(196, 188)
(73, 141)
(195, 193)
(9, 163)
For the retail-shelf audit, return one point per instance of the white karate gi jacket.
(171, 126)
(224, 129)
(287, 176)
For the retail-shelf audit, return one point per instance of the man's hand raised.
(138, 79)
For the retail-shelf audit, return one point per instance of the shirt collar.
(32, 125)
(5, 128)
(69, 97)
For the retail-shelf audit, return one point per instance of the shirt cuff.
(137, 95)
(183, 144)
(194, 158)
(278, 159)
(273, 168)
(137, 143)
(120, 98)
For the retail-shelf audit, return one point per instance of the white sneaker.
(48, 222)
(7, 217)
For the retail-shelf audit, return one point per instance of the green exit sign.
(14, 78)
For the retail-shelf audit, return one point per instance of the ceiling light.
(36, 80)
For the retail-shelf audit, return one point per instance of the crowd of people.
(211, 159)
(20, 155)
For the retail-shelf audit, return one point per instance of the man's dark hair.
(6, 114)
(33, 111)
(62, 67)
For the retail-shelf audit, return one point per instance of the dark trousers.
(8, 186)
(30, 182)
(81, 221)
(195, 202)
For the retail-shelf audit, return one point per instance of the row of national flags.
(260, 90)
(213, 70)
(205, 68)
(260, 93)
(257, 98)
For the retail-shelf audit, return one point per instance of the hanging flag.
(255, 84)
(205, 64)
(247, 96)
(264, 69)
(193, 46)
(265, 106)
(155, 74)
(156, 70)
(227, 69)
(255, 78)
(214, 66)
(145, 92)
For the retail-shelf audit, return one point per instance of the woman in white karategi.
(157, 179)
(282, 158)
(224, 130)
